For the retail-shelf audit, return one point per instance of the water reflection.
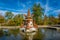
(41, 34)
(1, 33)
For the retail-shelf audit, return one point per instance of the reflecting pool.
(41, 34)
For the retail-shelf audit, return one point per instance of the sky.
(22, 6)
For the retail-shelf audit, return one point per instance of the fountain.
(28, 28)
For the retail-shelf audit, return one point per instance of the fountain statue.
(28, 27)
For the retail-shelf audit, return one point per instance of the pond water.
(42, 34)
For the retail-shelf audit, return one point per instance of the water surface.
(42, 34)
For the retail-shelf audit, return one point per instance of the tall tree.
(9, 15)
(37, 11)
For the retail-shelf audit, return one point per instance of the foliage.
(2, 19)
(52, 20)
(45, 20)
(9, 15)
(37, 11)
(18, 19)
(9, 19)
(11, 23)
(58, 18)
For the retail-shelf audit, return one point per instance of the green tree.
(45, 20)
(9, 15)
(18, 19)
(2, 19)
(11, 23)
(51, 19)
(55, 21)
(9, 18)
(37, 11)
